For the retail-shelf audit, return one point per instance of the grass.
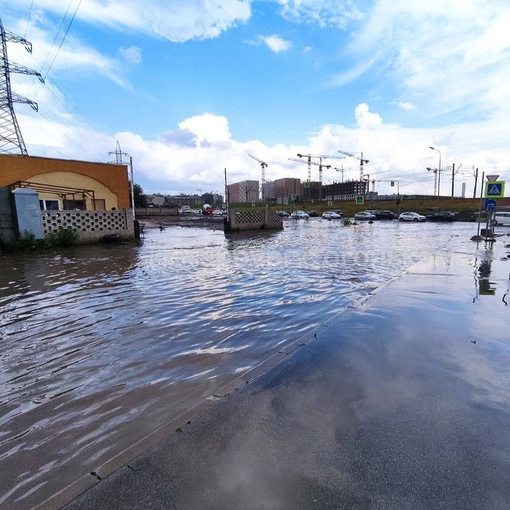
(422, 206)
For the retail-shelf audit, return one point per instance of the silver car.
(411, 216)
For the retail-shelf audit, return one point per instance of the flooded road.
(103, 345)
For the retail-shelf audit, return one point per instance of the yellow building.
(68, 185)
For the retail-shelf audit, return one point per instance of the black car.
(384, 215)
(441, 216)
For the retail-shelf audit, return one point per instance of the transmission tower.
(11, 141)
(118, 155)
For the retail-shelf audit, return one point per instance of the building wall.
(311, 190)
(287, 187)
(268, 191)
(345, 190)
(109, 181)
(244, 191)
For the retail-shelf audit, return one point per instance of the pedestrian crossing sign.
(360, 199)
(495, 189)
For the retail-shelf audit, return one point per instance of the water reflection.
(102, 345)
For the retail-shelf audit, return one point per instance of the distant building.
(212, 198)
(244, 191)
(311, 191)
(268, 193)
(287, 189)
(155, 200)
(344, 190)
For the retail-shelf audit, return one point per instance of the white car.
(331, 215)
(364, 216)
(298, 215)
(501, 218)
(411, 216)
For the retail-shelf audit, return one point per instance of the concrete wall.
(91, 226)
(252, 220)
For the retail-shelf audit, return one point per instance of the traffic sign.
(360, 199)
(495, 189)
(490, 204)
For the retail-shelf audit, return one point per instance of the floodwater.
(103, 345)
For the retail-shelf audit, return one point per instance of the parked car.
(299, 215)
(331, 215)
(219, 212)
(441, 216)
(364, 216)
(384, 215)
(411, 216)
(313, 213)
(501, 218)
(282, 214)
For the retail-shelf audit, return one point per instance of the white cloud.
(407, 106)
(276, 43)
(365, 118)
(450, 58)
(133, 55)
(75, 55)
(207, 128)
(176, 20)
(337, 13)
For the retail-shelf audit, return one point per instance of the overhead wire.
(80, 119)
(28, 18)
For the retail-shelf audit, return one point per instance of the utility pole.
(341, 170)
(119, 161)
(11, 140)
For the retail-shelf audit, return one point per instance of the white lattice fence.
(91, 226)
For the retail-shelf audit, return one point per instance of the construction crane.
(320, 157)
(263, 166)
(310, 163)
(361, 162)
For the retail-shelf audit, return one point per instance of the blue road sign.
(495, 189)
(490, 204)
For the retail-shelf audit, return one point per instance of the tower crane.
(361, 162)
(263, 166)
(310, 162)
(320, 157)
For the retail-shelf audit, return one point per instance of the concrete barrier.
(252, 220)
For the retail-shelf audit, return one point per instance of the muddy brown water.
(102, 345)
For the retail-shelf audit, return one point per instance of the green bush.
(63, 237)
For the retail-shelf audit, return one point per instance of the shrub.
(63, 237)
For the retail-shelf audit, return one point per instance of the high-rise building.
(268, 191)
(344, 190)
(244, 191)
(287, 189)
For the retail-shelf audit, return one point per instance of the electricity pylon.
(11, 141)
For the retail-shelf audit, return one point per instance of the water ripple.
(102, 345)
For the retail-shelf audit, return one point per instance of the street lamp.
(438, 173)
(435, 178)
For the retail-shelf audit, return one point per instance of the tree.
(139, 196)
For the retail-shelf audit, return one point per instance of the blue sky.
(190, 87)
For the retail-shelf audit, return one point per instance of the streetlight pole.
(439, 173)
(435, 178)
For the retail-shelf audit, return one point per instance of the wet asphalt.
(401, 402)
